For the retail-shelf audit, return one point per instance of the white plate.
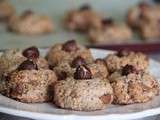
(48, 111)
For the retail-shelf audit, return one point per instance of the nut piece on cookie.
(67, 52)
(109, 32)
(133, 86)
(145, 19)
(11, 59)
(83, 92)
(29, 84)
(30, 23)
(82, 19)
(120, 59)
(98, 68)
(6, 10)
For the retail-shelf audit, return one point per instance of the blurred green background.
(56, 10)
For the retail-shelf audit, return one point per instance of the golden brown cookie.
(30, 23)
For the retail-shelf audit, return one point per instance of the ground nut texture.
(110, 34)
(133, 88)
(86, 95)
(138, 60)
(31, 86)
(30, 23)
(82, 20)
(98, 70)
(57, 55)
(6, 10)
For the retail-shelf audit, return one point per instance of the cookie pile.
(71, 78)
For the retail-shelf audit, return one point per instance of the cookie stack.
(71, 78)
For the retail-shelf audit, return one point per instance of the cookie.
(82, 19)
(131, 86)
(120, 59)
(109, 32)
(98, 68)
(67, 52)
(6, 10)
(82, 92)
(11, 59)
(144, 18)
(29, 84)
(25, 24)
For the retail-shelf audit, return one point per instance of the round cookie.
(30, 23)
(67, 52)
(109, 32)
(29, 84)
(132, 86)
(6, 10)
(82, 19)
(117, 60)
(83, 92)
(11, 59)
(98, 68)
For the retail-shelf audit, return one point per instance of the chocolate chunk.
(31, 53)
(128, 69)
(28, 65)
(62, 75)
(122, 53)
(85, 7)
(82, 72)
(107, 21)
(70, 46)
(106, 99)
(78, 61)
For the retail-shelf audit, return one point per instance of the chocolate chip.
(106, 99)
(107, 21)
(62, 75)
(78, 61)
(85, 7)
(122, 53)
(128, 69)
(31, 53)
(70, 46)
(27, 65)
(83, 72)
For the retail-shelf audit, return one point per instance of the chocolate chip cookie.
(83, 92)
(109, 32)
(144, 18)
(82, 19)
(133, 86)
(29, 84)
(120, 59)
(30, 23)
